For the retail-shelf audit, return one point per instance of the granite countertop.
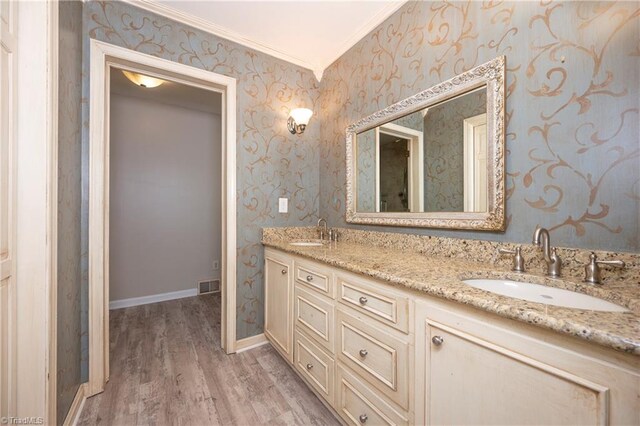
(441, 277)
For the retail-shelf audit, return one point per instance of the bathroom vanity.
(390, 336)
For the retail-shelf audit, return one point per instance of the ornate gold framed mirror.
(435, 159)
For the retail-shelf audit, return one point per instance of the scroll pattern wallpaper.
(366, 171)
(444, 151)
(271, 162)
(573, 151)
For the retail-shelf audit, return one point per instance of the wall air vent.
(209, 286)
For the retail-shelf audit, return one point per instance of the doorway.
(105, 59)
(164, 191)
(399, 169)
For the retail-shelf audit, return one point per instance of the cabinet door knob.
(363, 300)
(363, 418)
(363, 353)
(309, 366)
(284, 272)
(437, 340)
(309, 278)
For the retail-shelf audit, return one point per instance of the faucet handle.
(518, 260)
(592, 269)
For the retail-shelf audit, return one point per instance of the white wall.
(165, 197)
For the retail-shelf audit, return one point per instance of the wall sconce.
(298, 120)
(142, 80)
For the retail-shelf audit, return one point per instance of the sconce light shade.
(298, 120)
(142, 80)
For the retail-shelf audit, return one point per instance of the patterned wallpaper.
(366, 171)
(573, 100)
(271, 162)
(444, 151)
(69, 155)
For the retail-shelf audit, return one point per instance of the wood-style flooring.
(167, 368)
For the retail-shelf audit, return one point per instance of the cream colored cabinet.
(381, 355)
(478, 369)
(278, 307)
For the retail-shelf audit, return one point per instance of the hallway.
(167, 367)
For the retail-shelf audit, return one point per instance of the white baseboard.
(251, 342)
(76, 406)
(144, 300)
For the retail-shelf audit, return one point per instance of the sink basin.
(310, 243)
(546, 295)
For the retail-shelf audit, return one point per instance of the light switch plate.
(283, 205)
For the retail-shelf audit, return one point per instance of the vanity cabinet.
(278, 307)
(474, 368)
(379, 354)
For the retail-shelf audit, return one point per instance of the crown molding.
(210, 27)
(365, 29)
(202, 24)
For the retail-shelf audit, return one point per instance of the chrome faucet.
(541, 239)
(323, 230)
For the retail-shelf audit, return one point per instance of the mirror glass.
(432, 160)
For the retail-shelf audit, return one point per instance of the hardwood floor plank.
(167, 367)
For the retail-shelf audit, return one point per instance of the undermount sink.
(307, 243)
(546, 295)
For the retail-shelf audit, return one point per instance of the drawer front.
(358, 405)
(378, 357)
(315, 366)
(374, 300)
(315, 316)
(314, 277)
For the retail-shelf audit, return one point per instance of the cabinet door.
(475, 368)
(471, 381)
(278, 296)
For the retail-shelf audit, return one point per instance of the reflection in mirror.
(432, 160)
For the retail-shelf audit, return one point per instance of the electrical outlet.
(283, 205)
(216, 265)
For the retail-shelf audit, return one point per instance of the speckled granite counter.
(441, 275)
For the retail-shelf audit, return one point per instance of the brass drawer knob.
(363, 418)
(284, 271)
(309, 366)
(437, 340)
(363, 300)
(309, 278)
(363, 353)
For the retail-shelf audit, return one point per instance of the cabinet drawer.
(315, 277)
(358, 405)
(315, 366)
(375, 300)
(315, 316)
(378, 357)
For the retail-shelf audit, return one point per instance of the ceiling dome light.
(298, 120)
(142, 80)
